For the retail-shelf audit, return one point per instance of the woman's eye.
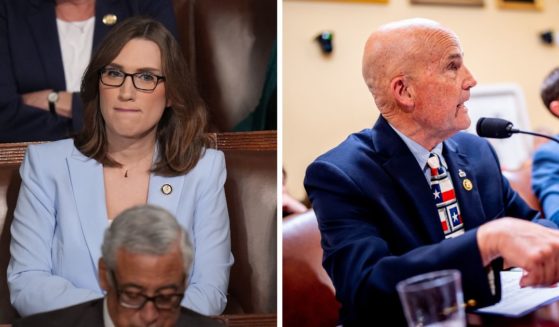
(147, 77)
(114, 73)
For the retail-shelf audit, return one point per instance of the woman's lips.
(127, 110)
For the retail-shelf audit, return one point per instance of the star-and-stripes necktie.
(445, 198)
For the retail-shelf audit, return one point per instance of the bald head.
(398, 49)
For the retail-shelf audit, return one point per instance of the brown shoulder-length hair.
(180, 132)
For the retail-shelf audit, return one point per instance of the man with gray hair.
(146, 258)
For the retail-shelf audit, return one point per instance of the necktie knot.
(434, 163)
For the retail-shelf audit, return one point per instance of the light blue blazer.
(61, 216)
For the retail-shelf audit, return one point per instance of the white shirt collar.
(420, 153)
(106, 317)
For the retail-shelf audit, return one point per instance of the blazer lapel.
(86, 176)
(42, 20)
(403, 168)
(468, 200)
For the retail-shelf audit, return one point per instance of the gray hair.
(145, 229)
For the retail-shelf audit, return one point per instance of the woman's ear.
(402, 92)
(554, 107)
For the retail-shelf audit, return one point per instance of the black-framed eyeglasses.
(137, 300)
(144, 81)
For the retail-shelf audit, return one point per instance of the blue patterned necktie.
(445, 198)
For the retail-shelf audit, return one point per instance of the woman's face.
(128, 112)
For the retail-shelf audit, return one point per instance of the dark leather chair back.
(251, 199)
(308, 294)
(227, 45)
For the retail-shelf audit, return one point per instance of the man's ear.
(402, 92)
(554, 107)
(103, 275)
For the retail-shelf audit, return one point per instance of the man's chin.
(463, 119)
(467, 123)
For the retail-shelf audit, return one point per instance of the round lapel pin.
(467, 184)
(166, 189)
(110, 19)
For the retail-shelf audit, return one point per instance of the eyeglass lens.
(145, 81)
(161, 301)
(136, 300)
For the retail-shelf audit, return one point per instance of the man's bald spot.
(395, 48)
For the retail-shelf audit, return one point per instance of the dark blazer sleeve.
(359, 256)
(21, 72)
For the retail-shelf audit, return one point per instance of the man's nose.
(149, 313)
(470, 81)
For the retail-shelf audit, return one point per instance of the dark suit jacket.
(31, 60)
(379, 223)
(90, 314)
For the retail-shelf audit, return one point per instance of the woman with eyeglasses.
(46, 46)
(143, 142)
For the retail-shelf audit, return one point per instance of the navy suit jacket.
(31, 60)
(379, 223)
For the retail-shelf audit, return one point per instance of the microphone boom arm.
(535, 134)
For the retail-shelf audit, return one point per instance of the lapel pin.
(461, 173)
(166, 189)
(110, 19)
(467, 184)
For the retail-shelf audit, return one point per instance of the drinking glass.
(433, 299)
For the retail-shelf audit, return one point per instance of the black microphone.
(494, 128)
(500, 129)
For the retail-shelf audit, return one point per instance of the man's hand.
(38, 99)
(522, 244)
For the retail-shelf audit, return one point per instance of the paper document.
(516, 301)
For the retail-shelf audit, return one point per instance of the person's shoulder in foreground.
(91, 314)
(146, 259)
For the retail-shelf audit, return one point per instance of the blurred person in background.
(545, 166)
